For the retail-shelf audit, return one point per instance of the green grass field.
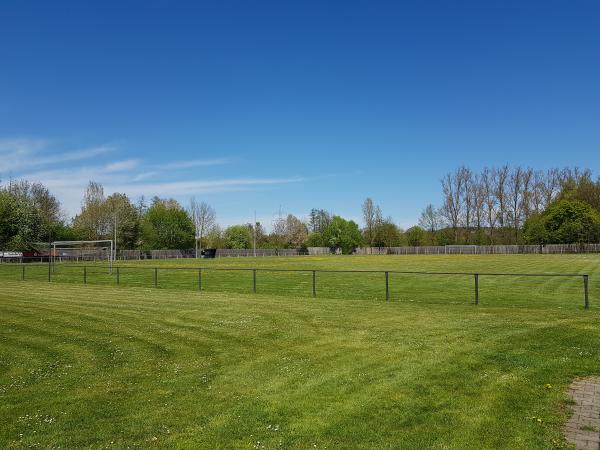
(183, 274)
(106, 366)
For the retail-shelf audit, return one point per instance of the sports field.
(366, 283)
(106, 366)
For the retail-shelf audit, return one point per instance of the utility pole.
(254, 228)
(115, 232)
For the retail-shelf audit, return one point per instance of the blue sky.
(292, 105)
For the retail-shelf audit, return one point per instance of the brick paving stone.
(583, 428)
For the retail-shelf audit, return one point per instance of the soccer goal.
(462, 249)
(79, 251)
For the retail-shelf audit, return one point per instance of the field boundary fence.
(197, 274)
(135, 254)
(548, 249)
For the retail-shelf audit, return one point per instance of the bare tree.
(378, 218)
(289, 232)
(296, 231)
(278, 232)
(551, 186)
(430, 219)
(466, 176)
(452, 207)
(527, 200)
(203, 216)
(478, 195)
(319, 219)
(501, 178)
(368, 210)
(537, 192)
(516, 199)
(488, 186)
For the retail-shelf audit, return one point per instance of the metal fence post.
(585, 289)
(23, 274)
(387, 286)
(156, 277)
(314, 282)
(254, 280)
(49, 269)
(84, 275)
(199, 279)
(476, 289)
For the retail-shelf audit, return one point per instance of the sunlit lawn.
(119, 366)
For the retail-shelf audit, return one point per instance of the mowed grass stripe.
(239, 371)
(517, 291)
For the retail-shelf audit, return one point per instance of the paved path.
(583, 428)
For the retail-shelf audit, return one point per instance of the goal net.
(80, 251)
(462, 249)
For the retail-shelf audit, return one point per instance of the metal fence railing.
(136, 254)
(195, 275)
(547, 249)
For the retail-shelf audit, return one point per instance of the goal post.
(461, 249)
(84, 250)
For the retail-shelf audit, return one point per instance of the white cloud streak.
(121, 166)
(30, 160)
(178, 188)
(195, 163)
(24, 154)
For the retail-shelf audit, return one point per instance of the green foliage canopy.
(342, 233)
(20, 223)
(564, 222)
(415, 236)
(237, 236)
(166, 225)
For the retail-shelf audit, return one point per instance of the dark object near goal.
(209, 253)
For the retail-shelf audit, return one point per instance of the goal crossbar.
(450, 247)
(73, 243)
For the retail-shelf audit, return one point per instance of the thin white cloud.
(69, 184)
(144, 176)
(22, 146)
(30, 160)
(121, 166)
(24, 154)
(195, 163)
(176, 188)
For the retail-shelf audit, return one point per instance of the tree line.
(505, 205)
(514, 205)
(30, 215)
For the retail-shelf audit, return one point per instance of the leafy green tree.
(237, 236)
(124, 219)
(534, 231)
(21, 224)
(315, 239)
(342, 233)
(387, 235)
(93, 222)
(444, 237)
(102, 217)
(565, 222)
(415, 236)
(581, 188)
(40, 197)
(49, 220)
(166, 225)
(213, 238)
